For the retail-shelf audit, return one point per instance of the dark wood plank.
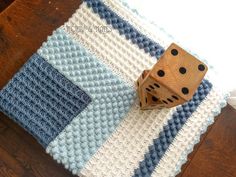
(22, 156)
(24, 26)
(195, 150)
(215, 155)
(4, 4)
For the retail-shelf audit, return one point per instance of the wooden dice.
(173, 80)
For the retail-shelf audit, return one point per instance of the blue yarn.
(42, 100)
(124, 28)
(165, 138)
(112, 98)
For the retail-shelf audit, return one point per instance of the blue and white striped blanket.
(76, 95)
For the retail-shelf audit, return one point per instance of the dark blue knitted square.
(42, 100)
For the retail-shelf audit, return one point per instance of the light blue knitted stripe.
(111, 100)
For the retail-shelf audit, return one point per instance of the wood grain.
(4, 4)
(147, 101)
(22, 156)
(216, 154)
(173, 82)
(24, 25)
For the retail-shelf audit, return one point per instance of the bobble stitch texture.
(126, 29)
(110, 100)
(157, 150)
(42, 100)
(83, 140)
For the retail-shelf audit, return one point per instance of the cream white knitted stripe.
(147, 28)
(139, 23)
(189, 135)
(125, 58)
(121, 153)
(150, 30)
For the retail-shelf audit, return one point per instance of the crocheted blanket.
(76, 95)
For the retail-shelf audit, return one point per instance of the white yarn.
(139, 23)
(125, 148)
(125, 58)
(189, 135)
(232, 99)
(121, 153)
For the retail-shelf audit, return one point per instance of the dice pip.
(174, 78)
(147, 101)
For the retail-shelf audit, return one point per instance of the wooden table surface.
(24, 25)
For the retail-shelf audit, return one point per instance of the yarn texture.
(42, 100)
(111, 100)
(77, 96)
